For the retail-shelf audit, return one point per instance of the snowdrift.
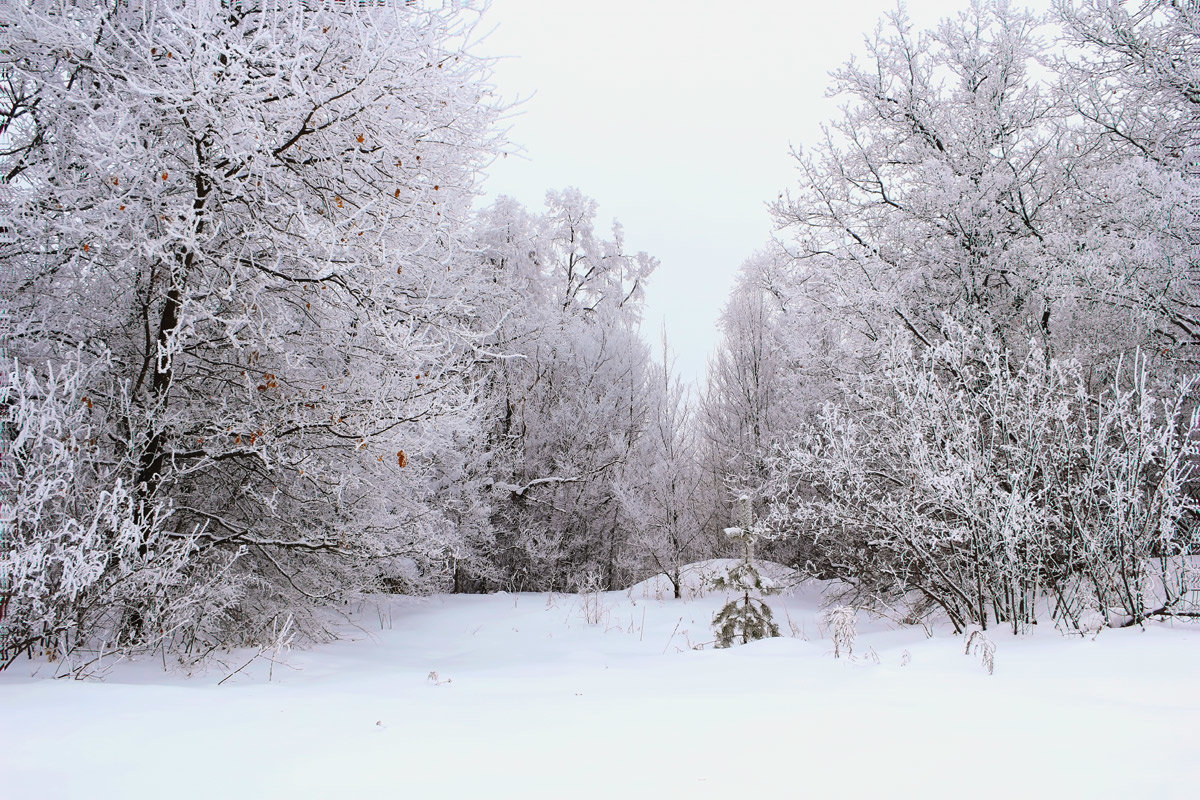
(615, 694)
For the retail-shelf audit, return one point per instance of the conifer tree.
(746, 617)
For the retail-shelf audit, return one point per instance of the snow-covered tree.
(660, 489)
(244, 220)
(781, 356)
(975, 170)
(746, 617)
(1131, 75)
(568, 392)
(1132, 71)
(744, 404)
(946, 186)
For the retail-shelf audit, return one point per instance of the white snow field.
(565, 696)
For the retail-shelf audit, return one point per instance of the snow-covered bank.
(523, 696)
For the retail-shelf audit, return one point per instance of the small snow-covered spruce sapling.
(746, 617)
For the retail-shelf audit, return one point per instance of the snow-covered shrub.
(591, 598)
(1129, 506)
(988, 482)
(86, 565)
(840, 621)
(980, 645)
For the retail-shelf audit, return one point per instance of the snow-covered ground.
(565, 696)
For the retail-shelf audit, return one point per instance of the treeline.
(264, 354)
(961, 377)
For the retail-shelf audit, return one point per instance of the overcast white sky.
(677, 117)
